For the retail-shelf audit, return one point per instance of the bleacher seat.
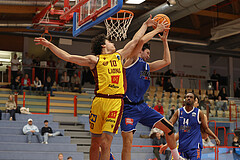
(14, 146)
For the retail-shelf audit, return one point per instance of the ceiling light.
(134, 1)
(171, 2)
(4, 60)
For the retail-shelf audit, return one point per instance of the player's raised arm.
(147, 37)
(130, 46)
(89, 60)
(156, 65)
(206, 128)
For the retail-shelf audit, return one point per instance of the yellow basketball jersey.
(109, 75)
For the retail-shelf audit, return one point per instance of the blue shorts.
(132, 114)
(193, 154)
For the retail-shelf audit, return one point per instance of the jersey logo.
(112, 114)
(128, 121)
(115, 79)
(105, 63)
(92, 117)
(194, 114)
(145, 75)
(118, 57)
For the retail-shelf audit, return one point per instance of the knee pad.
(169, 126)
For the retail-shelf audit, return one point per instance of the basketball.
(159, 18)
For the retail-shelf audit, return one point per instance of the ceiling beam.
(217, 14)
(185, 30)
(236, 6)
(206, 50)
(195, 21)
(17, 30)
(20, 9)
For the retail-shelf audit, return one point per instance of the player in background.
(138, 81)
(109, 75)
(190, 119)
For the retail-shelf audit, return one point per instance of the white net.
(117, 26)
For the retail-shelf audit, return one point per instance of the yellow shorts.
(105, 115)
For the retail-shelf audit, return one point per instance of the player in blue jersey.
(191, 120)
(138, 81)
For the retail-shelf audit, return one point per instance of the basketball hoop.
(117, 26)
(46, 32)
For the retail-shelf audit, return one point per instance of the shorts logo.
(92, 117)
(115, 79)
(128, 121)
(112, 114)
(198, 154)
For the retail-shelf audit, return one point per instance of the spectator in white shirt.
(31, 130)
(14, 66)
(37, 84)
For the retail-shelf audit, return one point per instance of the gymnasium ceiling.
(190, 30)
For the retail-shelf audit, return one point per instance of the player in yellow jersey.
(106, 65)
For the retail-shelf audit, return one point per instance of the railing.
(48, 98)
(225, 133)
(236, 113)
(228, 135)
(215, 125)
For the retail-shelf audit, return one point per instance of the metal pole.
(48, 104)
(24, 94)
(9, 74)
(16, 97)
(33, 75)
(75, 106)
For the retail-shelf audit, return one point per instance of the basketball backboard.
(93, 12)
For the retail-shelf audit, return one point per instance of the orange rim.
(122, 11)
(46, 31)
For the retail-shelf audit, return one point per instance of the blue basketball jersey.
(138, 80)
(189, 130)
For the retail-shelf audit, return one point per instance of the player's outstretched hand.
(162, 26)
(42, 41)
(217, 141)
(150, 22)
(164, 36)
(163, 148)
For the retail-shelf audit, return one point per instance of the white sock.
(175, 154)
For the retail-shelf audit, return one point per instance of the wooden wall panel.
(11, 43)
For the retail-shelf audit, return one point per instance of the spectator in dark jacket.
(16, 83)
(168, 75)
(26, 83)
(48, 86)
(160, 140)
(168, 87)
(235, 143)
(48, 132)
(223, 94)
